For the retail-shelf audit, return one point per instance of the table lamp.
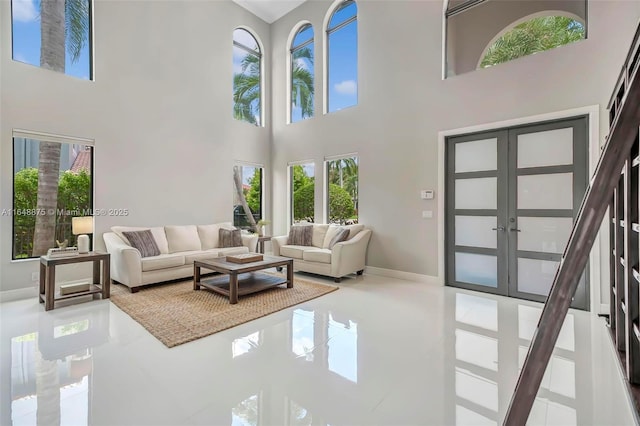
(81, 226)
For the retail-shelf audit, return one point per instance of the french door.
(512, 195)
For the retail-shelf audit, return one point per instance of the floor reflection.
(51, 370)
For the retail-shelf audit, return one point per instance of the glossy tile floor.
(379, 351)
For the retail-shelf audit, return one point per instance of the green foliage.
(303, 202)
(254, 194)
(246, 90)
(74, 197)
(340, 203)
(535, 35)
(300, 178)
(302, 89)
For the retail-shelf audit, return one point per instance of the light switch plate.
(426, 194)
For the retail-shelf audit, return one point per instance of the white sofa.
(344, 258)
(179, 246)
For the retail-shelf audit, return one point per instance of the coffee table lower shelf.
(248, 283)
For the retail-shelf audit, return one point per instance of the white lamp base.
(83, 244)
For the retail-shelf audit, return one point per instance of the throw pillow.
(300, 235)
(144, 242)
(341, 236)
(230, 238)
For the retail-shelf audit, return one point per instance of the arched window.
(247, 77)
(342, 57)
(302, 74)
(532, 36)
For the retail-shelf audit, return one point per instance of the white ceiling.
(269, 10)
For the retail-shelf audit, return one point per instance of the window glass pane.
(247, 78)
(478, 269)
(544, 234)
(344, 12)
(343, 190)
(534, 148)
(536, 276)
(476, 231)
(550, 191)
(247, 196)
(42, 212)
(343, 67)
(477, 155)
(478, 193)
(302, 192)
(71, 55)
(305, 33)
(302, 83)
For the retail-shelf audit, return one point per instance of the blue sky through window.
(343, 60)
(26, 39)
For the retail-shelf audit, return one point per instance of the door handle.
(514, 229)
(499, 228)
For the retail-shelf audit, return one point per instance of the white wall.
(159, 111)
(404, 103)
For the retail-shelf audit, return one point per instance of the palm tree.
(64, 26)
(302, 89)
(535, 35)
(246, 86)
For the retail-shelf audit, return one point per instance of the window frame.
(260, 56)
(90, 44)
(49, 138)
(291, 50)
(336, 7)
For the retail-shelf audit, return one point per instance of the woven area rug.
(175, 313)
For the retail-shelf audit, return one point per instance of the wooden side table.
(100, 284)
(261, 241)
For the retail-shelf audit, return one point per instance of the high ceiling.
(269, 10)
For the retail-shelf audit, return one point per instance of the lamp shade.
(82, 225)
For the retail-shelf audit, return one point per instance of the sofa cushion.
(209, 236)
(234, 250)
(143, 241)
(182, 238)
(190, 256)
(317, 255)
(300, 235)
(331, 232)
(230, 237)
(340, 236)
(161, 262)
(354, 229)
(319, 232)
(158, 235)
(292, 251)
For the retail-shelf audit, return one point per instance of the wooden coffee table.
(240, 279)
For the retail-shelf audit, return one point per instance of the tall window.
(302, 178)
(247, 77)
(247, 196)
(342, 57)
(52, 182)
(54, 38)
(302, 74)
(533, 36)
(342, 178)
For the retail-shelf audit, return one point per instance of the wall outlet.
(427, 214)
(35, 276)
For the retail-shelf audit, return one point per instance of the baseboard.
(18, 294)
(409, 276)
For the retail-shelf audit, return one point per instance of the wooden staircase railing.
(623, 133)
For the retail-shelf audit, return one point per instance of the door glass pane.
(536, 276)
(481, 193)
(478, 269)
(544, 234)
(476, 231)
(550, 191)
(550, 148)
(477, 156)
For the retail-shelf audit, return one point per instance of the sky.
(26, 39)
